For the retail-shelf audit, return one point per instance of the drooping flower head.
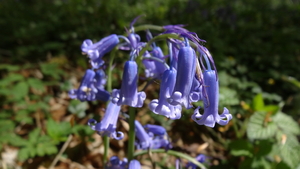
(128, 94)
(116, 163)
(108, 125)
(211, 102)
(96, 51)
(87, 90)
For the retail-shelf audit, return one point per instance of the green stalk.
(173, 153)
(106, 148)
(146, 27)
(131, 133)
(109, 89)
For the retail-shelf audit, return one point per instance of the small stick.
(62, 150)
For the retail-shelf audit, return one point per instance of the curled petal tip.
(118, 135)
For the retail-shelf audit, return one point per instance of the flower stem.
(106, 147)
(145, 27)
(109, 89)
(131, 133)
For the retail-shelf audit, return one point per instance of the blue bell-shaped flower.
(162, 106)
(108, 125)
(210, 96)
(186, 67)
(128, 94)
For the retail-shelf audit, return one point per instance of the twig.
(62, 150)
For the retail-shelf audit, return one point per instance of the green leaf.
(6, 126)
(12, 77)
(290, 151)
(255, 163)
(271, 108)
(24, 154)
(82, 130)
(9, 67)
(292, 80)
(78, 108)
(46, 146)
(36, 84)
(51, 149)
(286, 123)
(263, 148)
(58, 131)
(51, 69)
(34, 135)
(5, 114)
(20, 90)
(22, 116)
(260, 126)
(16, 140)
(258, 103)
(228, 96)
(282, 165)
(39, 105)
(241, 148)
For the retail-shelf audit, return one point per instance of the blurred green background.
(255, 44)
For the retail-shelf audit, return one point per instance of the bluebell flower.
(150, 68)
(186, 67)
(116, 163)
(143, 139)
(132, 43)
(211, 102)
(196, 91)
(108, 125)
(159, 136)
(162, 106)
(134, 164)
(155, 129)
(87, 90)
(200, 158)
(100, 79)
(151, 136)
(96, 51)
(128, 94)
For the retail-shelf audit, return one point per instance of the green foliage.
(58, 131)
(22, 97)
(271, 134)
(78, 108)
(52, 70)
(241, 148)
(36, 144)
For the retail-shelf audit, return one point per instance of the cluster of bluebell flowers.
(186, 72)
